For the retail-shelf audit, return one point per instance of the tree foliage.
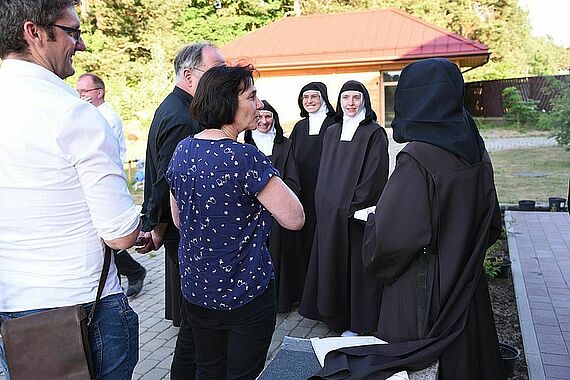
(132, 43)
(523, 112)
(559, 118)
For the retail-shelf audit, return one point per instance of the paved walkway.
(539, 246)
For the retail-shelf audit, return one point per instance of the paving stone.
(166, 363)
(147, 337)
(307, 323)
(169, 333)
(171, 343)
(562, 311)
(541, 305)
(288, 324)
(160, 326)
(155, 374)
(160, 353)
(559, 360)
(153, 344)
(279, 334)
(149, 322)
(143, 354)
(550, 338)
(145, 366)
(563, 318)
(557, 372)
(300, 332)
(549, 348)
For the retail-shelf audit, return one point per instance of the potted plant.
(510, 355)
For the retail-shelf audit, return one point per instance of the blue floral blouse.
(224, 260)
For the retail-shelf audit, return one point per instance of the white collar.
(20, 67)
(264, 141)
(316, 119)
(351, 123)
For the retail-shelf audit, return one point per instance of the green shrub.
(523, 112)
(491, 263)
(491, 267)
(558, 119)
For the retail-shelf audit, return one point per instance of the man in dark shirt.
(172, 123)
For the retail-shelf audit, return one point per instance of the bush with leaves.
(523, 112)
(558, 119)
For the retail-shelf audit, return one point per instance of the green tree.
(232, 19)
(521, 111)
(558, 119)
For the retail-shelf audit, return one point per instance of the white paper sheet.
(363, 214)
(322, 346)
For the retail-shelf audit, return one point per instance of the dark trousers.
(127, 266)
(183, 365)
(233, 344)
(173, 295)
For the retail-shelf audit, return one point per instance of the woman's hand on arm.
(282, 203)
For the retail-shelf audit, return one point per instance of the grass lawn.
(534, 173)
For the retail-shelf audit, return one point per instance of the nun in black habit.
(352, 173)
(427, 241)
(307, 137)
(284, 245)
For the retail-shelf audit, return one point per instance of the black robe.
(307, 149)
(171, 123)
(351, 177)
(435, 305)
(285, 245)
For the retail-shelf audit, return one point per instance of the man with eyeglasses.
(91, 88)
(172, 123)
(62, 186)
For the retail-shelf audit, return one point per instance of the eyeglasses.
(200, 70)
(90, 89)
(75, 33)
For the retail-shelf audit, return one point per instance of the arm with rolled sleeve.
(89, 145)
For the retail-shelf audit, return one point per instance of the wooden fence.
(485, 98)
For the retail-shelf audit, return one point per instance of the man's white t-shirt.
(62, 190)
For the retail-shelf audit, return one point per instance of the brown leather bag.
(52, 344)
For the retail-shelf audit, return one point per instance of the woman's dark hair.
(216, 99)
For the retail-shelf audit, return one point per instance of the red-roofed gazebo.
(369, 46)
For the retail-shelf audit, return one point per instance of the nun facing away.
(307, 137)
(284, 245)
(433, 224)
(352, 173)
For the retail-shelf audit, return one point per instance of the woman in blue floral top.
(224, 194)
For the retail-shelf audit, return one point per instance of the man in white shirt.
(91, 88)
(62, 185)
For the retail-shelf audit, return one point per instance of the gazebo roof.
(351, 39)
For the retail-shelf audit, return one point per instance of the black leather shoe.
(135, 285)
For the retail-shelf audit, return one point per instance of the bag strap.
(102, 281)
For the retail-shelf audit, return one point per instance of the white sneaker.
(348, 333)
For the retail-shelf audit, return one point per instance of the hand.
(151, 241)
(144, 243)
(86, 98)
